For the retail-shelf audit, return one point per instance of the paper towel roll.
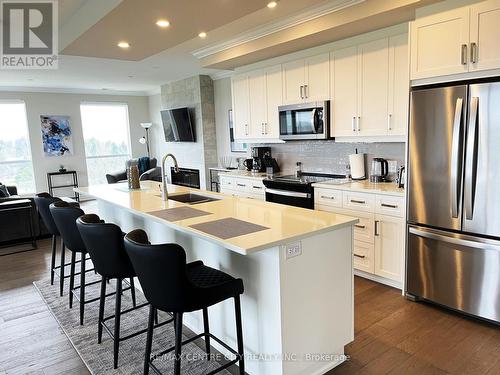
(357, 162)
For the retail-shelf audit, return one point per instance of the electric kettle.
(379, 170)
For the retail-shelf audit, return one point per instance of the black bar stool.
(170, 284)
(65, 215)
(104, 242)
(42, 202)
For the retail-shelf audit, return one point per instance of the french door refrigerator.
(453, 239)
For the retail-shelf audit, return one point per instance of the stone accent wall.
(197, 93)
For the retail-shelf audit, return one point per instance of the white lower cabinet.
(378, 248)
(251, 188)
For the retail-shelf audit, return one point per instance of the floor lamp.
(145, 140)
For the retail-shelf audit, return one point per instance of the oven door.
(304, 121)
(290, 198)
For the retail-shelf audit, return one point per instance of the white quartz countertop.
(387, 188)
(286, 223)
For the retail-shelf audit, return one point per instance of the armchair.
(153, 173)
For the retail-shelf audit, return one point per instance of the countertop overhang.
(286, 223)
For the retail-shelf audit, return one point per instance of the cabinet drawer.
(328, 197)
(359, 201)
(242, 184)
(227, 183)
(363, 256)
(388, 205)
(257, 187)
(365, 229)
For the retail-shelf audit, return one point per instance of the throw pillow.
(4, 193)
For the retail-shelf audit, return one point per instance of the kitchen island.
(296, 266)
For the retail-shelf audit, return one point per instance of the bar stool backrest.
(65, 215)
(161, 270)
(104, 243)
(42, 202)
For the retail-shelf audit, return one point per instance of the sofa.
(153, 173)
(15, 223)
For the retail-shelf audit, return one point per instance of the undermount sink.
(191, 198)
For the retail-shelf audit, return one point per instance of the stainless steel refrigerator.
(453, 216)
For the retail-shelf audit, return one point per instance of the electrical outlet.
(393, 166)
(293, 250)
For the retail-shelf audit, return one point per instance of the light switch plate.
(293, 250)
(393, 166)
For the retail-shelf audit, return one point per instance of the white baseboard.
(379, 279)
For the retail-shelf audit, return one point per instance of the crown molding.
(222, 74)
(57, 90)
(274, 27)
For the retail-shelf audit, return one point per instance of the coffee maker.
(262, 159)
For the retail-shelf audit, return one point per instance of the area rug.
(99, 357)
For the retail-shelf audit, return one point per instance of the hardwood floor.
(393, 336)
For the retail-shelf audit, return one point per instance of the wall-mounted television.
(177, 125)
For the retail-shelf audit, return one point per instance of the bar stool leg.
(149, 339)
(72, 278)
(61, 271)
(53, 259)
(82, 287)
(207, 332)
(178, 343)
(239, 334)
(118, 306)
(132, 291)
(102, 301)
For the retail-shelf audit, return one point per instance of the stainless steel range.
(297, 190)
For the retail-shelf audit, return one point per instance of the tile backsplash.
(331, 156)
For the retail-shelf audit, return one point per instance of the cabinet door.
(293, 82)
(274, 96)
(241, 114)
(344, 92)
(399, 82)
(373, 84)
(485, 36)
(317, 80)
(257, 100)
(389, 247)
(439, 44)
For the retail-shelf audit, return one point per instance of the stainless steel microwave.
(304, 121)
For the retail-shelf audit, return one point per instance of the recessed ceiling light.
(272, 4)
(163, 23)
(202, 34)
(124, 45)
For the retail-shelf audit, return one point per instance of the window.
(106, 137)
(16, 167)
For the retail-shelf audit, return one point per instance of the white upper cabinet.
(439, 44)
(241, 110)
(344, 71)
(373, 84)
(306, 80)
(485, 36)
(399, 85)
(456, 41)
(370, 88)
(256, 98)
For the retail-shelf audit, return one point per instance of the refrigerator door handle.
(471, 160)
(455, 158)
(427, 233)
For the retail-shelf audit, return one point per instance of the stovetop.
(309, 178)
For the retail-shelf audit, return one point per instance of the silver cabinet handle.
(246, 129)
(306, 94)
(456, 167)
(388, 205)
(359, 123)
(359, 256)
(473, 52)
(265, 128)
(327, 197)
(257, 187)
(302, 92)
(471, 159)
(353, 123)
(376, 227)
(242, 185)
(360, 226)
(262, 129)
(464, 54)
(356, 201)
(389, 118)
